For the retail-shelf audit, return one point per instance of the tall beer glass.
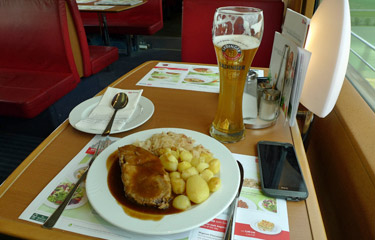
(236, 34)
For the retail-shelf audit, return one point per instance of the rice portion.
(174, 141)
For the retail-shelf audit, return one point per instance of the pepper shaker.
(260, 89)
(269, 105)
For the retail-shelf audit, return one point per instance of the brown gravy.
(117, 190)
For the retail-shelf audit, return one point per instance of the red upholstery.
(101, 57)
(197, 18)
(95, 58)
(36, 62)
(146, 19)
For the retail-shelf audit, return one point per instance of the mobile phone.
(280, 172)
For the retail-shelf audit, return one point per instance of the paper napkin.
(102, 113)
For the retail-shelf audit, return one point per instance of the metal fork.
(51, 221)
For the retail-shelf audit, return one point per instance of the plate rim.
(92, 186)
(95, 100)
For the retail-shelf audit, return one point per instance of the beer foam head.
(243, 41)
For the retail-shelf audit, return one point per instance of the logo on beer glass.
(231, 51)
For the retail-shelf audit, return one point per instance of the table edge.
(312, 204)
(12, 178)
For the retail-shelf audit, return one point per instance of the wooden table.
(173, 108)
(102, 15)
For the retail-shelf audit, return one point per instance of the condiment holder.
(260, 104)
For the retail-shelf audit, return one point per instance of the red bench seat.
(27, 93)
(36, 61)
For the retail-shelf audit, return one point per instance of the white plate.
(274, 231)
(143, 112)
(106, 205)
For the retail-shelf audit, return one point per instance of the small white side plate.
(143, 112)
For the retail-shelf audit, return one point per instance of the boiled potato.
(174, 175)
(202, 166)
(178, 185)
(215, 165)
(206, 157)
(188, 173)
(207, 174)
(197, 189)
(162, 151)
(186, 156)
(195, 161)
(214, 184)
(181, 202)
(175, 153)
(169, 162)
(183, 166)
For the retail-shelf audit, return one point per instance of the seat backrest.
(197, 18)
(81, 45)
(34, 36)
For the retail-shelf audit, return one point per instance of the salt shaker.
(269, 105)
(249, 98)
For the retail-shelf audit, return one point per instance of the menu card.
(84, 1)
(287, 72)
(296, 27)
(184, 76)
(90, 7)
(119, 2)
(254, 209)
(289, 62)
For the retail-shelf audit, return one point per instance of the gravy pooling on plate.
(192, 171)
(116, 188)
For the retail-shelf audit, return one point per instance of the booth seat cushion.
(101, 57)
(27, 93)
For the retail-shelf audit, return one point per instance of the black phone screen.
(280, 168)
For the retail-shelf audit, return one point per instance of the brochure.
(296, 27)
(299, 79)
(254, 209)
(282, 68)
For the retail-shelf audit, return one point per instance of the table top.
(115, 8)
(173, 108)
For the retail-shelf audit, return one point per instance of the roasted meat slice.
(144, 178)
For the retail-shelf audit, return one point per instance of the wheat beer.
(235, 54)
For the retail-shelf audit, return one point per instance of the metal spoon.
(229, 231)
(119, 101)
